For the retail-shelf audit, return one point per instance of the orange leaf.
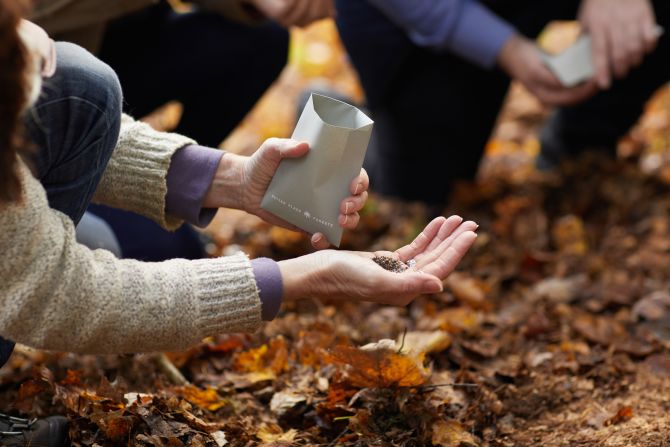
(380, 368)
(624, 414)
(208, 399)
(272, 356)
(452, 434)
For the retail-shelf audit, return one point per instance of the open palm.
(348, 275)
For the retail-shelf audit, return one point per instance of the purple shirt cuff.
(188, 179)
(479, 35)
(270, 286)
(464, 27)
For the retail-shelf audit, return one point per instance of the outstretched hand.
(343, 275)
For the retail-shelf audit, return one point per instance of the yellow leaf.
(452, 434)
(273, 433)
(208, 399)
(378, 368)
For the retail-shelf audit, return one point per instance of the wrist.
(226, 189)
(298, 275)
(508, 56)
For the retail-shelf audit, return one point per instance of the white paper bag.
(307, 191)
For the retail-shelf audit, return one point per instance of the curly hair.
(13, 85)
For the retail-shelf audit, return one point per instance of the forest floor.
(555, 331)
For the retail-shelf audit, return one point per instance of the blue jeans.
(75, 127)
(215, 67)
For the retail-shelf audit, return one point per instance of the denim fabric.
(74, 126)
(434, 111)
(215, 67)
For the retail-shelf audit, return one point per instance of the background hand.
(622, 33)
(241, 183)
(354, 276)
(296, 12)
(522, 60)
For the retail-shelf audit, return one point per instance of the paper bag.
(575, 65)
(307, 191)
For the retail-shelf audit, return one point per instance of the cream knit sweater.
(57, 294)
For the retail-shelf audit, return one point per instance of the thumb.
(274, 150)
(292, 148)
(419, 283)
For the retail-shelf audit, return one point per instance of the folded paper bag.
(307, 191)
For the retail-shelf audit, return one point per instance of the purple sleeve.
(464, 27)
(188, 179)
(270, 286)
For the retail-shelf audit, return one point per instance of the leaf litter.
(554, 332)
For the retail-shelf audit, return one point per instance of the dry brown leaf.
(272, 356)
(469, 290)
(380, 368)
(274, 433)
(452, 434)
(418, 343)
(624, 414)
(569, 235)
(208, 398)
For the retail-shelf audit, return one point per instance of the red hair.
(13, 96)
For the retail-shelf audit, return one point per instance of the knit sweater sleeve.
(135, 178)
(56, 294)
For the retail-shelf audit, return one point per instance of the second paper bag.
(307, 191)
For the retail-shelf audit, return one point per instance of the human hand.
(41, 47)
(343, 275)
(522, 60)
(295, 12)
(622, 33)
(241, 182)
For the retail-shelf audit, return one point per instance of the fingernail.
(346, 218)
(317, 238)
(358, 188)
(432, 287)
(347, 206)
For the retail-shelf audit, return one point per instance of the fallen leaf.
(284, 401)
(208, 398)
(624, 414)
(452, 434)
(273, 433)
(379, 368)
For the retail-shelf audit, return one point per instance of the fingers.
(549, 89)
(360, 183)
(442, 266)
(319, 241)
(349, 221)
(402, 289)
(429, 256)
(445, 231)
(618, 53)
(422, 240)
(600, 49)
(418, 283)
(567, 96)
(352, 204)
(546, 79)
